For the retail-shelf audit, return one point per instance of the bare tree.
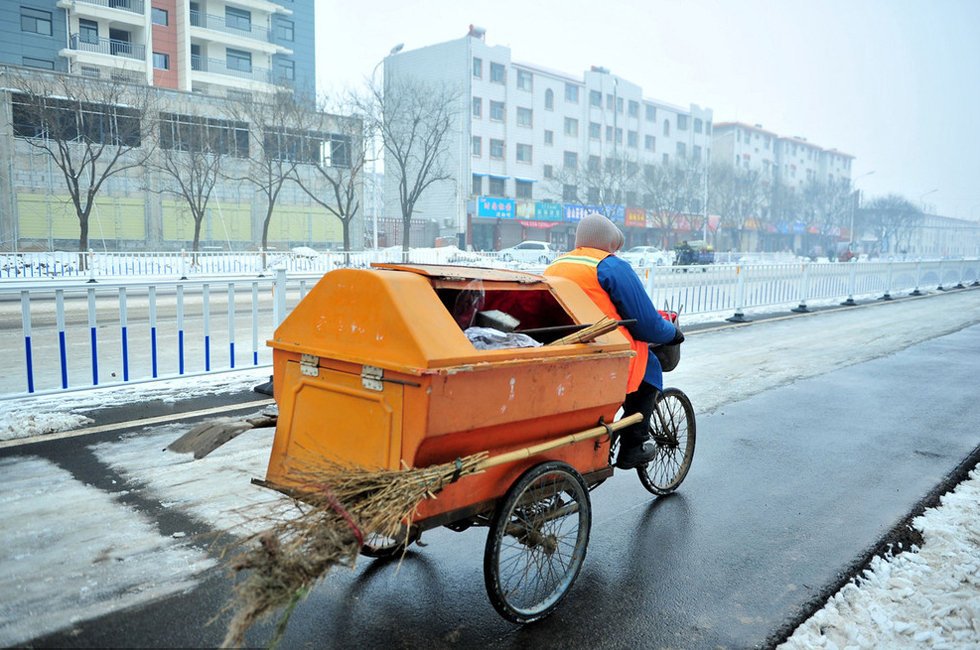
(279, 140)
(90, 129)
(736, 195)
(671, 190)
(415, 119)
(335, 179)
(603, 184)
(189, 159)
(892, 219)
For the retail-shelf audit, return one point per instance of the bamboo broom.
(597, 329)
(345, 505)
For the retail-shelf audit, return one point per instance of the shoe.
(636, 455)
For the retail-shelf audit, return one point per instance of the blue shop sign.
(547, 211)
(495, 208)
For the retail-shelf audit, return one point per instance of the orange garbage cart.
(373, 368)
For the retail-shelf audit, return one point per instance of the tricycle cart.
(373, 368)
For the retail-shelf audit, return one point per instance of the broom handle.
(520, 454)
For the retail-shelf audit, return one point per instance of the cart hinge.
(309, 365)
(371, 378)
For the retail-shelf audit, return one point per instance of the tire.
(537, 542)
(543, 259)
(507, 257)
(673, 428)
(383, 548)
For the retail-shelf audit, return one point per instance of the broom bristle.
(344, 505)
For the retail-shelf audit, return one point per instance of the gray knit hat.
(596, 231)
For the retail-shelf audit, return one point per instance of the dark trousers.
(642, 400)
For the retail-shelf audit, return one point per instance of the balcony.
(134, 6)
(218, 66)
(238, 27)
(127, 12)
(108, 46)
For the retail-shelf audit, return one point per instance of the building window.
(159, 16)
(498, 73)
(35, 21)
(497, 111)
(44, 64)
(619, 136)
(682, 122)
(477, 146)
(571, 93)
(651, 113)
(525, 80)
(571, 127)
(592, 195)
(594, 163)
(634, 109)
(161, 61)
(570, 160)
(496, 148)
(610, 102)
(569, 193)
(595, 131)
(549, 137)
(477, 68)
(619, 104)
(524, 153)
(681, 150)
(477, 107)
(285, 30)
(286, 70)
(650, 143)
(238, 60)
(90, 71)
(525, 117)
(595, 98)
(477, 185)
(88, 31)
(632, 139)
(609, 134)
(666, 128)
(699, 126)
(666, 159)
(549, 99)
(497, 186)
(238, 19)
(522, 189)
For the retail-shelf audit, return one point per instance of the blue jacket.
(626, 291)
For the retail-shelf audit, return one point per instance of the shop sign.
(636, 217)
(495, 208)
(547, 211)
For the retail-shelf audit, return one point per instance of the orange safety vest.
(581, 266)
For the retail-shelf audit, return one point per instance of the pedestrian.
(614, 287)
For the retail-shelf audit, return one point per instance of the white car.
(529, 252)
(641, 256)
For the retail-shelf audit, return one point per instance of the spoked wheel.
(537, 542)
(383, 547)
(673, 429)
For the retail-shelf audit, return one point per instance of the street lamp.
(375, 152)
(922, 205)
(857, 194)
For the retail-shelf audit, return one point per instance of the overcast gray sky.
(895, 83)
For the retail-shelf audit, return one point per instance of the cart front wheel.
(673, 429)
(383, 547)
(537, 542)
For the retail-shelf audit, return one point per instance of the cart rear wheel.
(673, 429)
(537, 542)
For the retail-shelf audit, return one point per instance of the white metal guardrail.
(78, 334)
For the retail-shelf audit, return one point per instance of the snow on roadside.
(925, 597)
(31, 416)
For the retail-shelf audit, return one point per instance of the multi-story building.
(522, 132)
(208, 46)
(792, 160)
(197, 56)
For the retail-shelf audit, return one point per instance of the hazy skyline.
(892, 82)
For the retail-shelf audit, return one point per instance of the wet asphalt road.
(789, 489)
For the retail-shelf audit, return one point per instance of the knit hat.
(596, 231)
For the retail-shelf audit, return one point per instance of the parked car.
(529, 252)
(641, 256)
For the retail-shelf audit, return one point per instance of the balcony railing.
(108, 46)
(218, 66)
(135, 6)
(238, 27)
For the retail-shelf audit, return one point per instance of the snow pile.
(25, 423)
(926, 597)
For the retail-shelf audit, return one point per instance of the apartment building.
(794, 161)
(523, 129)
(209, 46)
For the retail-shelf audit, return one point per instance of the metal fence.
(77, 333)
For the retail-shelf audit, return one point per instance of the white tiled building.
(520, 124)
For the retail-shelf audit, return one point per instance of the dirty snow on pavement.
(928, 597)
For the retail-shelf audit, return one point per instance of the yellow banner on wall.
(222, 222)
(43, 216)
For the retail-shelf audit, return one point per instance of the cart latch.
(309, 365)
(371, 377)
